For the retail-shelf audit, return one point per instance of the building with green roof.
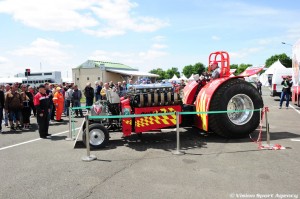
(94, 70)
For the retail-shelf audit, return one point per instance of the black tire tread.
(214, 119)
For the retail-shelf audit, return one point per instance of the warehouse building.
(91, 71)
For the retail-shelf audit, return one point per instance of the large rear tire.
(235, 94)
(99, 136)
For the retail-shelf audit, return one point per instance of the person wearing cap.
(42, 105)
(58, 100)
(286, 91)
(215, 70)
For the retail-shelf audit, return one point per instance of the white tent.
(274, 67)
(183, 77)
(174, 78)
(232, 70)
(253, 78)
(191, 77)
(263, 78)
(270, 71)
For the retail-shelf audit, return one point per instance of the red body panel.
(126, 122)
(251, 71)
(296, 95)
(143, 124)
(125, 102)
(203, 101)
(189, 92)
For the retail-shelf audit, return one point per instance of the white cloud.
(159, 46)
(3, 60)
(103, 18)
(293, 33)
(45, 50)
(7, 67)
(110, 56)
(215, 38)
(116, 19)
(159, 38)
(50, 15)
(140, 59)
(152, 54)
(243, 53)
(265, 41)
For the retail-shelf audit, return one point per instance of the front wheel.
(99, 136)
(239, 98)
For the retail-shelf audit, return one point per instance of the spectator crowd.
(18, 103)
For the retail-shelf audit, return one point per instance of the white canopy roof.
(133, 73)
(263, 78)
(191, 77)
(174, 78)
(183, 77)
(232, 70)
(274, 67)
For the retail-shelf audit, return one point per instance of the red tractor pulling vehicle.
(225, 93)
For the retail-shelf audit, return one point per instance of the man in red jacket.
(41, 102)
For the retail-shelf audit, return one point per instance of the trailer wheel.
(99, 136)
(235, 94)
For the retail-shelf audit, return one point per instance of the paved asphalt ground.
(212, 167)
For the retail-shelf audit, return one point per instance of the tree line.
(199, 67)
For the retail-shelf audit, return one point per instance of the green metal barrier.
(73, 133)
(169, 113)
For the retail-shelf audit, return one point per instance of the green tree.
(188, 70)
(234, 66)
(198, 68)
(283, 58)
(159, 71)
(242, 68)
(170, 72)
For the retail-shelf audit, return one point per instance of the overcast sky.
(61, 34)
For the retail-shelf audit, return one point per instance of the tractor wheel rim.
(96, 137)
(241, 103)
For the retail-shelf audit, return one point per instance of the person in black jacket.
(42, 104)
(51, 105)
(89, 94)
(286, 91)
(1, 108)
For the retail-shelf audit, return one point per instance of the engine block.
(153, 95)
